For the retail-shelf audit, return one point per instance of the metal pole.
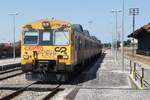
(14, 56)
(13, 15)
(122, 39)
(142, 78)
(130, 67)
(116, 37)
(133, 35)
(134, 73)
(133, 12)
(112, 45)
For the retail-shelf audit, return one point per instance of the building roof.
(141, 31)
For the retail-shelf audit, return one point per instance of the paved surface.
(4, 62)
(108, 75)
(112, 94)
(110, 83)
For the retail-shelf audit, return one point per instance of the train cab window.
(45, 38)
(61, 38)
(31, 37)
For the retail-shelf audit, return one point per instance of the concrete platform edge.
(5, 67)
(134, 83)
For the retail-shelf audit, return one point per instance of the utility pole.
(116, 15)
(14, 14)
(122, 39)
(133, 12)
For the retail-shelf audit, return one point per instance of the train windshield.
(46, 38)
(61, 37)
(31, 38)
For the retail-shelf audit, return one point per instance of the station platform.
(7, 63)
(110, 82)
(146, 71)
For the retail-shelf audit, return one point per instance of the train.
(6, 49)
(51, 49)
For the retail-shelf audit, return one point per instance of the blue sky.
(75, 11)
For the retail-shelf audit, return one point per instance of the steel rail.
(52, 93)
(10, 76)
(16, 93)
(10, 70)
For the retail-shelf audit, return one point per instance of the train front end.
(46, 50)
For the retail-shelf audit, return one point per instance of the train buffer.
(10, 63)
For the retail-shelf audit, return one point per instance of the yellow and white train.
(52, 49)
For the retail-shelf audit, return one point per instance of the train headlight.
(62, 57)
(26, 56)
(65, 56)
(46, 24)
(64, 25)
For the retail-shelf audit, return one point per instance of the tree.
(107, 45)
(127, 43)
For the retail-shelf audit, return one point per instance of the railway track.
(10, 70)
(10, 74)
(18, 92)
(52, 93)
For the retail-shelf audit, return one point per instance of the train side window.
(79, 42)
(85, 44)
(76, 43)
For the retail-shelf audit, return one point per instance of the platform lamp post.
(133, 12)
(116, 15)
(14, 15)
(112, 45)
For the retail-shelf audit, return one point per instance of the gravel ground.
(5, 92)
(14, 80)
(20, 79)
(31, 95)
(61, 95)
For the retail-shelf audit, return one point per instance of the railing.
(137, 75)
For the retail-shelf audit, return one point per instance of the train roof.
(86, 32)
(78, 27)
(95, 39)
(53, 23)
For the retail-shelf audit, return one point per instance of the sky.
(74, 11)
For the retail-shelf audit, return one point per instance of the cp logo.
(61, 49)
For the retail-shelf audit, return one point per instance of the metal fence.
(138, 73)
